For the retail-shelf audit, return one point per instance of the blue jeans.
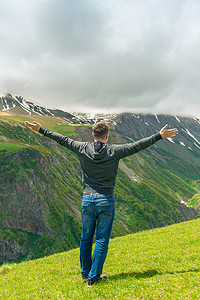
(97, 212)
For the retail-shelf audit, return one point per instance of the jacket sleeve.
(75, 146)
(124, 150)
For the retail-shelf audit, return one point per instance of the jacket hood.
(97, 150)
(98, 146)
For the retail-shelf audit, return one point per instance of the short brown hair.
(100, 129)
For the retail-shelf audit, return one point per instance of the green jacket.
(99, 168)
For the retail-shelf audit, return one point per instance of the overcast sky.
(105, 55)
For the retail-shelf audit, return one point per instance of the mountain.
(18, 105)
(40, 185)
(155, 264)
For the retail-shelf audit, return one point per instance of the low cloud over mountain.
(103, 55)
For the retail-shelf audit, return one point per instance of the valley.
(40, 181)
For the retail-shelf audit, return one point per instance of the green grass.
(56, 124)
(63, 129)
(10, 147)
(194, 201)
(156, 264)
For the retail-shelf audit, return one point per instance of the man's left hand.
(167, 133)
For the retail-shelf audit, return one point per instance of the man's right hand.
(36, 126)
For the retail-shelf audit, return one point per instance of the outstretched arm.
(131, 148)
(167, 133)
(59, 138)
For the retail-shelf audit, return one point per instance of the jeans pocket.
(105, 211)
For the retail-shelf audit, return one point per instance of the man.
(99, 162)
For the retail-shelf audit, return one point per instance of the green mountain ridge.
(40, 189)
(162, 263)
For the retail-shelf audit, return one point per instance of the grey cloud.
(70, 27)
(116, 55)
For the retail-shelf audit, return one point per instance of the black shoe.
(92, 281)
(85, 277)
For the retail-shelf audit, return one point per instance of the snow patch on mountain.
(197, 120)
(21, 104)
(5, 106)
(157, 118)
(196, 145)
(171, 140)
(190, 134)
(177, 119)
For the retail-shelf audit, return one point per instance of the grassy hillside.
(156, 264)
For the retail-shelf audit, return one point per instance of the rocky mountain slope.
(40, 184)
